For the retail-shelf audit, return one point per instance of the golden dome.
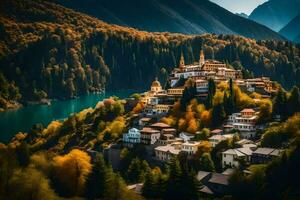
(156, 83)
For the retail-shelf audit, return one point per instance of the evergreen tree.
(280, 104)
(137, 170)
(293, 104)
(174, 183)
(23, 154)
(218, 115)
(150, 186)
(189, 93)
(98, 181)
(206, 163)
(190, 185)
(211, 93)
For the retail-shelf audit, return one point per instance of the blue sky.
(238, 6)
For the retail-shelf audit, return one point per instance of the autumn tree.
(71, 171)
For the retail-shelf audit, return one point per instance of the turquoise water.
(21, 120)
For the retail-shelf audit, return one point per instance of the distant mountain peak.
(188, 17)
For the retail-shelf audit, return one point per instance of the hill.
(48, 51)
(188, 17)
(292, 30)
(276, 14)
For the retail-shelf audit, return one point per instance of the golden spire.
(202, 58)
(181, 62)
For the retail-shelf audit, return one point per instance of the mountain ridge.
(276, 14)
(188, 17)
(292, 30)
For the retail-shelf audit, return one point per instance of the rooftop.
(219, 179)
(168, 148)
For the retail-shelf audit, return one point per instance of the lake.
(21, 120)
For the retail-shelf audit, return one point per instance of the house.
(245, 122)
(166, 153)
(186, 136)
(149, 136)
(190, 147)
(172, 131)
(213, 184)
(202, 86)
(132, 137)
(160, 126)
(145, 121)
(232, 157)
(264, 155)
(217, 132)
(216, 139)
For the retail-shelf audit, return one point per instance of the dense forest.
(48, 51)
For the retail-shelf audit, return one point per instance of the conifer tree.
(99, 180)
(218, 115)
(293, 103)
(280, 104)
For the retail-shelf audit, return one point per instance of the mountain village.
(163, 142)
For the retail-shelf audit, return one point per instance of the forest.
(48, 51)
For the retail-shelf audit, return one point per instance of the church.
(203, 70)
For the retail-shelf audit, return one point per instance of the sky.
(239, 6)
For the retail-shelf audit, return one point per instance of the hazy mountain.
(292, 30)
(275, 14)
(189, 16)
(242, 15)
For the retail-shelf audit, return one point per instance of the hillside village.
(163, 142)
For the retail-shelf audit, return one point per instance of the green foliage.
(182, 183)
(206, 163)
(280, 104)
(137, 171)
(189, 93)
(218, 115)
(211, 93)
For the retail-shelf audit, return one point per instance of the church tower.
(181, 62)
(202, 58)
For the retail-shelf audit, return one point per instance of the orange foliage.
(138, 108)
(72, 170)
(205, 118)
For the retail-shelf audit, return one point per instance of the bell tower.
(181, 62)
(202, 58)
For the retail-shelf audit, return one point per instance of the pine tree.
(218, 115)
(280, 104)
(149, 187)
(174, 183)
(206, 163)
(293, 104)
(98, 181)
(211, 93)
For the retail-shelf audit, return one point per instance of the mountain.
(188, 17)
(292, 30)
(276, 14)
(49, 51)
(242, 15)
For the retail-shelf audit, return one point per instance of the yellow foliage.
(182, 124)
(204, 147)
(218, 98)
(169, 120)
(192, 126)
(243, 100)
(223, 86)
(138, 108)
(72, 170)
(52, 128)
(205, 118)
(82, 115)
